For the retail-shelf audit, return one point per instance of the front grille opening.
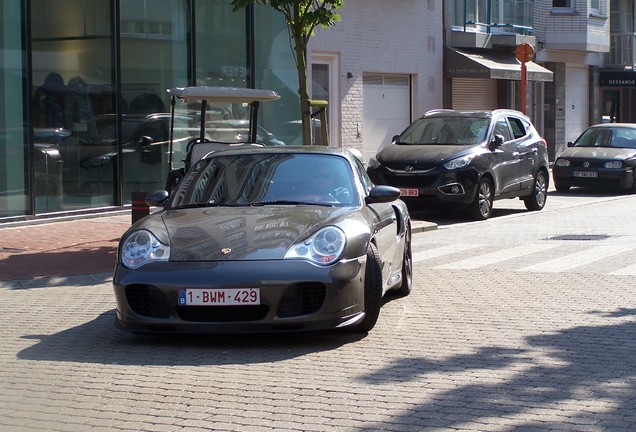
(301, 299)
(147, 300)
(581, 237)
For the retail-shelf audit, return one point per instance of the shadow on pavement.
(594, 366)
(100, 342)
(58, 263)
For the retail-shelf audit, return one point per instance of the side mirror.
(383, 194)
(394, 139)
(497, 141)
(157, 198)
(146, 140)
(570, 144)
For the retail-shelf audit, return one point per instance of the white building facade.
(573, 37)
(380, 67)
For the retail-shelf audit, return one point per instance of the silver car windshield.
(267, 178)
(446, 131)
(608, 137)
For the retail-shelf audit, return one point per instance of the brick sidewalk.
(61, 248)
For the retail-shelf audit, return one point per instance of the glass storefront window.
(153, 59)
(73, 91)
(221, 44)
(275, 69)
(13, 149)
(98, 102)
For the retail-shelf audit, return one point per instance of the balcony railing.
(494, 16)
(622, 50)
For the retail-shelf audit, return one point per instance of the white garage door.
(386, 110)
(576, 101)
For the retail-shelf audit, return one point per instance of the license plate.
(219, 297)
(409, 192)
(585, 174)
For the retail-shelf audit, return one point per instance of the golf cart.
(226, 117)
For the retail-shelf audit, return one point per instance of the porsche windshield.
(267, 178)
(446, 131)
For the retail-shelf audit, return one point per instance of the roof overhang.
(490, 65)
(224, 94)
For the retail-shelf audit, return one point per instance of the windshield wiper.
(202, 205)
(289, 202)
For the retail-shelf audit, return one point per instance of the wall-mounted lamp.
(349, 75)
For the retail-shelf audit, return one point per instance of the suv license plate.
(219, 297)
(409, 192)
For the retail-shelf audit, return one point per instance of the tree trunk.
(300, 47)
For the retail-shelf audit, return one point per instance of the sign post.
(524, 53)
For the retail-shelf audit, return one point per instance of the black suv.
(468, 159)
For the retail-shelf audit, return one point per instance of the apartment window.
(595, 5)
(561, 3)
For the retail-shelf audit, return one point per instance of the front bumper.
(295, 296)
(605, 178)
(435, 185)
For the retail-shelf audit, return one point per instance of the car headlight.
(562, 162)
(460, 162)
(324, 247)
(142, 247)
(373, 163)
(613, 164)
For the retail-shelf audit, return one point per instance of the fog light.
(452, 189)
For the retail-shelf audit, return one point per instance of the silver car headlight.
(459, 162)
(142, 247)
(613, 165)
(373, 163)
(562, 162)
(324, 247)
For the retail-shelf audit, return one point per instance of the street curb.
(43, 282)
(421, 226)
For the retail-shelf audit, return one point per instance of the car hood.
(599, 153)
(396, 154)
(242, 233)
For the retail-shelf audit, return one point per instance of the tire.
(536, 200)
(372, 292)
(481, 207)
(407, 267)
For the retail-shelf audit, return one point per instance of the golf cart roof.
(224, 94)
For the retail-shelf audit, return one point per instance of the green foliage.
(302, 16)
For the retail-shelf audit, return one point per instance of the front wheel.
(407, 267)
(536, 200)
(481, 207)
(372, 291)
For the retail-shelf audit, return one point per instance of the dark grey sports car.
(262, 240)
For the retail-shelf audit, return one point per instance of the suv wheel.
(481, 207)
(536, 200)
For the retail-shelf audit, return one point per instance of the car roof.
(224, 94)
(247, 150)
(614, 125)
(468, 113)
